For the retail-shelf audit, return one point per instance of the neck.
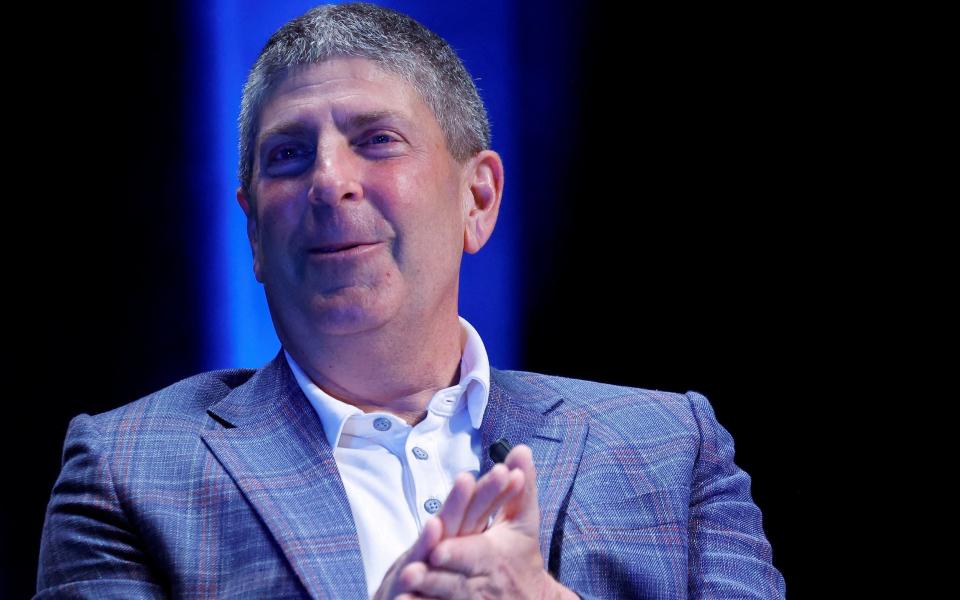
(393, 368)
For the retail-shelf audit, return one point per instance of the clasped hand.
(458, 556)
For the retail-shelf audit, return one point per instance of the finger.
(489, 488)
(440, 583)
(454, 507)
(471, 556)
(523, 507)
(515, 487)
(410, 577)
(432, 531)
(400, 572)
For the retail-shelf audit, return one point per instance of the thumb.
(523, 508)
(391, 584)
(429, 537)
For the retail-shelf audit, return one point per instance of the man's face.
(346, 154)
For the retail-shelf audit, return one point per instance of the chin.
(344, 322)
(348, 314)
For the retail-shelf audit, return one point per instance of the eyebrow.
(356, 121)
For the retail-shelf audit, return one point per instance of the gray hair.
(396, 42)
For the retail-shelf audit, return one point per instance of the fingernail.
(440, 556)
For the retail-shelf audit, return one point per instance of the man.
(347, 466)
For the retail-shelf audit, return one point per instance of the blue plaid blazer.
(224, 486)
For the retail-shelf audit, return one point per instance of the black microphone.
(499, 450)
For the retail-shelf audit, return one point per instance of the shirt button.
(381, 423)
(432, 505)
(420, 453)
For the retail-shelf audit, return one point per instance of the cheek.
(278, 203)
(404, 188)
(280, 224)
(279, 194)
(433, 204)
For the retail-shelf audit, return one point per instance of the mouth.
(345, 249)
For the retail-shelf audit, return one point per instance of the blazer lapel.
(273, 446)
(526, 414)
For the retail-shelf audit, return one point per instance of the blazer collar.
(272, 443)
(523, 412)
(273, 446)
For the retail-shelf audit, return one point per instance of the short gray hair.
(396, 42)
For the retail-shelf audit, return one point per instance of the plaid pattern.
(224, 486)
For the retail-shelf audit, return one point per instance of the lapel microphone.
(499, 449)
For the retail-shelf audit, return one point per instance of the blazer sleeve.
(729, 556)
(88, 548)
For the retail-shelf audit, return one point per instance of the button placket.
(425, 469)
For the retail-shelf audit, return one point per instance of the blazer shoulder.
(588, 394)
(186, 400)
(630, 411)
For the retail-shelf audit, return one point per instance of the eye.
(288, 159)
(380, 139)
(286, 153)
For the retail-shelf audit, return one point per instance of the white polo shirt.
(396, 476)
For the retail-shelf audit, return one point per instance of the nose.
(336, 176)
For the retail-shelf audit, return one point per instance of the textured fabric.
(391, 474)
(224, 485)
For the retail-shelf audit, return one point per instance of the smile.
(346, 252)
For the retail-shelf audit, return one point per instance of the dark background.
(693, 239)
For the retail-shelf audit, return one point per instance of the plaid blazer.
(223, 486)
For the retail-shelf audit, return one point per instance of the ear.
(253, 234)
(482, 199)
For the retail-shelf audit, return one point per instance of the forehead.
(344, 87)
